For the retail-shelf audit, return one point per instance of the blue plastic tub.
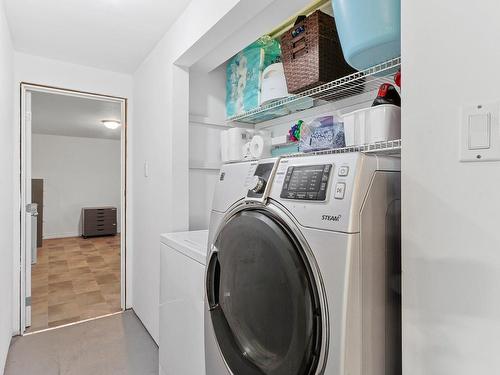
(285, 150)
(369, 30)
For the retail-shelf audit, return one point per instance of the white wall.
(161, 140)
(6, 187)
(451, 222)
(161, 115)
(48, 72)
(77, 172)
(201, 191)
(207, 113)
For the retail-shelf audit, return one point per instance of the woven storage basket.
(312, 54)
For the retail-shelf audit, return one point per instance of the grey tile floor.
(115, 345)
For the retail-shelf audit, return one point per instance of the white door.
(30, 212)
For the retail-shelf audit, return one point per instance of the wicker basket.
(312, 54)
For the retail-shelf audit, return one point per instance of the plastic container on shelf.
(273, 84)
(374, 124)
(244, 75)
(369, 30)
(323, 133)
(285, 149)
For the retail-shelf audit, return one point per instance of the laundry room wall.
(43, 71)
(6, 188)
(161, 149)
(217, 30)
(206, 121)
(451, 236)
(77, 172)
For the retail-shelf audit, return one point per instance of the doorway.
(73, 195)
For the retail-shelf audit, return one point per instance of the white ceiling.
(110, 34)
(73, 116)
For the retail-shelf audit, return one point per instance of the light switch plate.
(480, 133)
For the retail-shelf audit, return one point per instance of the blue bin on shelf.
(369, 30)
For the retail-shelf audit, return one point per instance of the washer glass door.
(263, 299)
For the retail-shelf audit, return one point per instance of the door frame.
(25, 140)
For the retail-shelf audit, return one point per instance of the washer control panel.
(306, 182)
(327, 191)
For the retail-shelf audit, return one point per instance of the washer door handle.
(213, 281)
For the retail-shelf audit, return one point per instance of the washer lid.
(193, 244)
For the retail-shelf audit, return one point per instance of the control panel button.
(312, 196)
(343, 171)
(339, 190)
(301, 195)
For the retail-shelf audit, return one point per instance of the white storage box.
(374, 124)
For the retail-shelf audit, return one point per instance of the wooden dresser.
(98, 221)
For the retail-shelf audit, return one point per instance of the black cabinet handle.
(213, 281)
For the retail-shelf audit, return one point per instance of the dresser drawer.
(100, 225)
(99, 221)
(91, 232)
(89, 219)
(99, 213)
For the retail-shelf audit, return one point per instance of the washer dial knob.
(257, 185)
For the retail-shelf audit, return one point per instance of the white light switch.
(479, 131)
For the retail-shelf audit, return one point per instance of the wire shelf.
(342, 88)
(380, 148)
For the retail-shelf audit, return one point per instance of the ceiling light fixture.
(111, 124)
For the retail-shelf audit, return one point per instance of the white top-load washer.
(303, 274)
(183, 256)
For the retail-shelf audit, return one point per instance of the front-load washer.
(303, 273)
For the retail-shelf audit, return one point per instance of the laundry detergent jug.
(369, 30)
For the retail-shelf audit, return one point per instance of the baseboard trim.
(73, 323)
(63, 235)
(60, 235)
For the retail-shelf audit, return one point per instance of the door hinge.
(32, 208)
(28, 301)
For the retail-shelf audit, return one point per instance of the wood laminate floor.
(75, 279)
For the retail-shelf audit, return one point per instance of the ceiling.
(72, 116)
(109, 34)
